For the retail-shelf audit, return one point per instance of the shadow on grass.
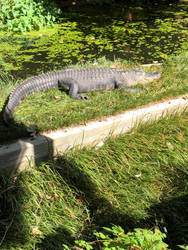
(14, 132)
(170, 215)
(13, 227)
(101, 211)
(15, 233)
(14, 230)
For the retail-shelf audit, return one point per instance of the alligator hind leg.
(122, 85)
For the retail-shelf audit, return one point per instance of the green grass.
(53, 109)
(139, 179)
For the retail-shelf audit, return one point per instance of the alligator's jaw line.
(76, 81)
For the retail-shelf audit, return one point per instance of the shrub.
(139, 239)
(27, 15)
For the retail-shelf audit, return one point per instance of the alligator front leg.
(72, 86)
(73, 92)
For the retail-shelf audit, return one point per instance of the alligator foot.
(132, 90)
(83, 97)
(32, 131)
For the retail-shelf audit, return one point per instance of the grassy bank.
(138, 180)
(53, 109)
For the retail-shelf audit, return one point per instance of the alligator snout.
(152, 76)
(148, 77)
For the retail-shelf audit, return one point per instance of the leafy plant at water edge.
(139, 239)
(26, 15)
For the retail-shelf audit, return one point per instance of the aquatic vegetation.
(87, 34)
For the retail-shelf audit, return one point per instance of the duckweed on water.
(85, 35)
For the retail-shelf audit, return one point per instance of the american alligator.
(76, 81)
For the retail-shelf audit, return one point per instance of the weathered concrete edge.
(28, 152)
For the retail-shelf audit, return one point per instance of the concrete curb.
(27, 152)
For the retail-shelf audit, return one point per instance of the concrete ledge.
(28, 152)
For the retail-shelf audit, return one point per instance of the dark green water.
(135, 33)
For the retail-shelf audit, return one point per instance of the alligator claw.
(132, 90)
(33, 131)
(83, 97)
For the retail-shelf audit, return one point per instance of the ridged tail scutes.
(27, 87)
(7, 116)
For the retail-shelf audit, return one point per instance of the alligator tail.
(27, 87)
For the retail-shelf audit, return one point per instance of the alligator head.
(134, 77)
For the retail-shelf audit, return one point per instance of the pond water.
(130, 33)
